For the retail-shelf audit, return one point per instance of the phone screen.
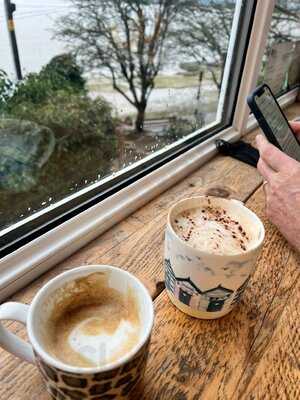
(278, 124)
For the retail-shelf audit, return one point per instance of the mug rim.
(88, 370)
(215, 255)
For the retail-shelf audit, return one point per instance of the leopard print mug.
(115, 380)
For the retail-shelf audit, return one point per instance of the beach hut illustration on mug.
(216, 297)
(187, 292)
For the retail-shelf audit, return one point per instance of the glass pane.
(281, 63)
(104, 84)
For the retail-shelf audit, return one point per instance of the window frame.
(25, 263)
(28, 229)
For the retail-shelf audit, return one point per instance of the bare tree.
(203, 35)
(285, 22)
(124, 39)
(204, 32)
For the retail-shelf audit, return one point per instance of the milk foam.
(91, 323)
(102, 348)
(212, 230)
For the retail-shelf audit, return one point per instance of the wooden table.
(253, 353)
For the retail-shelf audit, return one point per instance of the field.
(174, 94)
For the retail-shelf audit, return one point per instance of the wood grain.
(273, 365)
(274, 354)
(194, 359)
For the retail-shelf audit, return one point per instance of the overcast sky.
(34, 23)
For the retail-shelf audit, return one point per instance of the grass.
(180, 81)
(176, 81)
(102, 85)
(161, 82)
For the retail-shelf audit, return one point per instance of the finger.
(268, 206)
(267, 198)
(274, 157)
(295, 125)
(267, 189)
(266, 172)
(264, 185)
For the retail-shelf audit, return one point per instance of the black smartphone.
(272, 121)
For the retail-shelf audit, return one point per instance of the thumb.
(275, 158)
(295, 125)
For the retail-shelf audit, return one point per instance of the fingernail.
(258, 138)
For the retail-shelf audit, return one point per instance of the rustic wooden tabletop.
(252, 353)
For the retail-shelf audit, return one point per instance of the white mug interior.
(41, 309)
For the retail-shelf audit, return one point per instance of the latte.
(93, 324)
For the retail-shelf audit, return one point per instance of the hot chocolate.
(211, 229)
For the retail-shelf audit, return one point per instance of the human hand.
(282, 188)
(295, 125)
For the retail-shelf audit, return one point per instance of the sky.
(34, 23)
(34, 20)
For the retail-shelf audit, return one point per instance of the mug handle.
(10, 342)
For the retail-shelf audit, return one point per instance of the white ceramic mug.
(112, 381)
(202, 284)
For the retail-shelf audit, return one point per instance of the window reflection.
(281, 63)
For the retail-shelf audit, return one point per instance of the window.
(106, 92)
(281, 64)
